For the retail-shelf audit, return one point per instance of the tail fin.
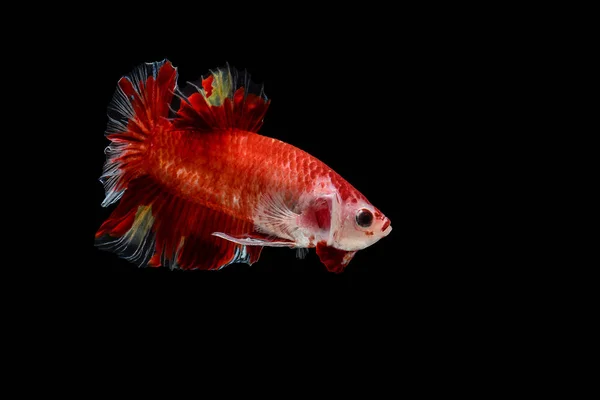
(151, 226)
(139, 107)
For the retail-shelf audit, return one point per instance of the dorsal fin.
(226, 99)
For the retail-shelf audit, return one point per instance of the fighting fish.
(199, 188)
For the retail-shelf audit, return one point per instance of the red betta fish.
(199, 188)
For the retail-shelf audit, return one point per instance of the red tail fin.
(140, 107)
(152, 226)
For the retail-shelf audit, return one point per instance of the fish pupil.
(364, 218)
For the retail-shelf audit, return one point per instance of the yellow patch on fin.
(137, 244)
(222, 87)
(141, 225)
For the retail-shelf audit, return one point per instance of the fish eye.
(364, 218)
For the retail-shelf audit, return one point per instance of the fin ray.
(140, 104)
(275, 215)
(254, 240)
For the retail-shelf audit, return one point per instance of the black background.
(403, 103)
(414, 107)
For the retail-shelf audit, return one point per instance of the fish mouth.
(386, 228)
(386, 224)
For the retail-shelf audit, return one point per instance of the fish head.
(360, 225)
(355, 224)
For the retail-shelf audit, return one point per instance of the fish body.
(199, 188)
